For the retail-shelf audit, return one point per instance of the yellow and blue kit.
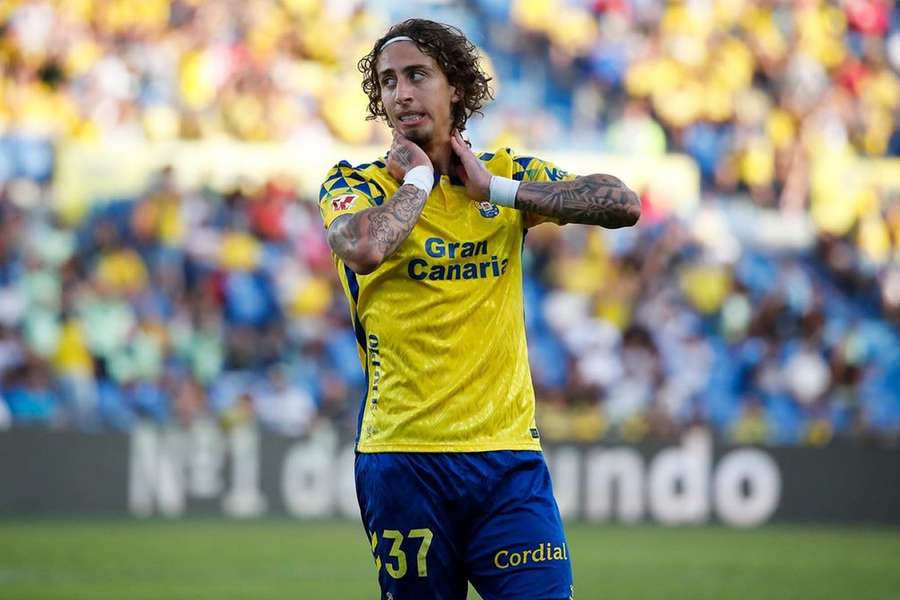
(436, 521)
(440, 324)
(441, 337)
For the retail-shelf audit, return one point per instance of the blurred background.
(165, 281)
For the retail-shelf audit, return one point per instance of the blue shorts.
(437, 521)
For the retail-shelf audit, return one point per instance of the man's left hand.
(476, 178)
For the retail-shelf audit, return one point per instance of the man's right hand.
(405, 155)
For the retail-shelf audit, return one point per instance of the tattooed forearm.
(365, 239)
(593, 200)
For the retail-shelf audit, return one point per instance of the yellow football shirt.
(440, 324)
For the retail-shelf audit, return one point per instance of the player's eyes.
(389, 82)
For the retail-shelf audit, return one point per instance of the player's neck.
(440, 154)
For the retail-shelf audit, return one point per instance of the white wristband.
(422, 177)
(503, 191)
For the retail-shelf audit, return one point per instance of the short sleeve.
(529, 168)
(345, 192)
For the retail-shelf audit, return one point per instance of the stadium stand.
(184, 301)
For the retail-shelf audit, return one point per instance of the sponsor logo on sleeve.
(343, 202)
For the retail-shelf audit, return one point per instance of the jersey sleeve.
(345, 192)
(529, 168)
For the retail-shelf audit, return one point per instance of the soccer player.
(427, 242)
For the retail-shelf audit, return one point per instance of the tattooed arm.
(593, 200)
(365, 239)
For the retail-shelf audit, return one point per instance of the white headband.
(399, 38)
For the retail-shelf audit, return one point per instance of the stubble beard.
(420, 139)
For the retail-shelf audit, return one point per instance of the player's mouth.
(411, 119)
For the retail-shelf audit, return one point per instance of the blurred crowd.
(183, 69)
(190, 301)
(177, 304)
(643, 333)
(751, 90)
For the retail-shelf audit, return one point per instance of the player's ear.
(455, 96)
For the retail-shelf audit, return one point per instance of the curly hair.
(455, 55)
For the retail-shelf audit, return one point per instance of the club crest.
(487, 210)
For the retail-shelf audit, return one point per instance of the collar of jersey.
(454, 180)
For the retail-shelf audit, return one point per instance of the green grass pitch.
(201, 559)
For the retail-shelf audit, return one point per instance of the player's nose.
(403, 92)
